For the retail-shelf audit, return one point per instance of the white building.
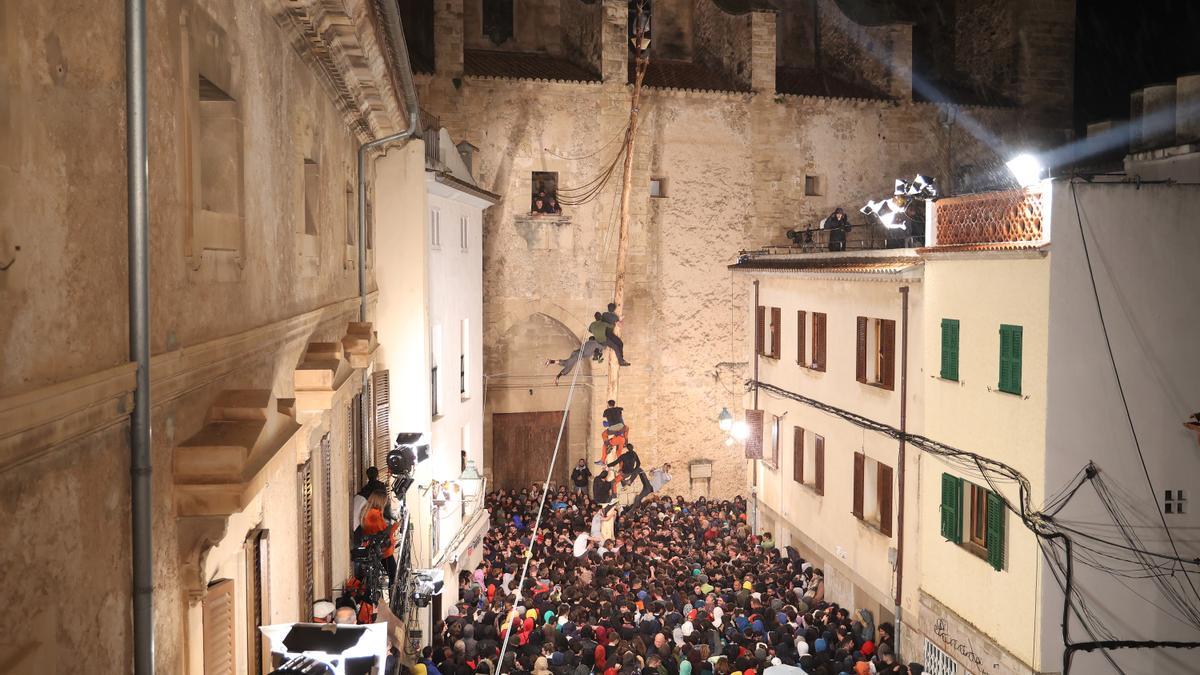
(1010, 381)
(431, 281)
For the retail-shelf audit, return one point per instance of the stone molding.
(338, 40)
(36, 422)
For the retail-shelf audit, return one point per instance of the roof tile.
(523, 66)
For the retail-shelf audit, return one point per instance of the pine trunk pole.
(614, 368)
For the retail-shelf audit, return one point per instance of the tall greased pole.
(641, 60)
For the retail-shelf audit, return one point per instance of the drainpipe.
(137, 180)
(400, 53)
(900, 454)
(754, 462)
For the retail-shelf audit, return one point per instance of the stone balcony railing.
(1001, 219)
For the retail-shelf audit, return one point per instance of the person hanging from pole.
(589, 350)
(616, 432)
(601, 330)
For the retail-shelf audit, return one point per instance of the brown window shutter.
(798, 453)
(304, 537)
(353, 458)
(800, 338)
(860, 366)
(819, 464)
(257, 564)
(327, 516)
(218, 622)
(383, 437)
(884, 490)
(760, 329)
(754, 442)
(887, 345)
(859, 470)
(776, 320)
(819, 340)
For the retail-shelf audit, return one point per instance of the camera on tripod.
(409, 449)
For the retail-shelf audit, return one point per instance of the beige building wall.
(855, 555)
(982, 291)
(252, 262)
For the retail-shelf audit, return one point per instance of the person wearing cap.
(838, 226)
(323, 611)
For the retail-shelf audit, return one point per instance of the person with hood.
(581, 478)
(837, 225)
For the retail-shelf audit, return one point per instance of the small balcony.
(1001, 220)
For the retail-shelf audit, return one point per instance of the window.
(949, 349)
(984, 520)
(304, 510)
(498, 20)
(808, 459)
(814, 186)
(1010, 359)
(218, 621)
(938, 662)
(658, 187)
(312, 195)
(216, 153)
(381, 437)
(435, 228)
(876, 352)
(464, 232)
(773, 460)
(326, 516)
(464, 348)
(257, 609)
(543, 195)
(435, 392)
(768, 349)
(351, 217)
(1174, 502)
(816, 357)
(873, 493)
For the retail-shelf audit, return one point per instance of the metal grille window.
(938, 662)
(304, 490)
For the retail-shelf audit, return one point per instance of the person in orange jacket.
(374, 522)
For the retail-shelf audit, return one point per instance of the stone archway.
(524, 405)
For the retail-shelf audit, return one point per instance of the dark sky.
(1121, 46)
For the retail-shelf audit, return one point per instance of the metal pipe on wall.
(140, 469)
(900, 461)
(400, 52)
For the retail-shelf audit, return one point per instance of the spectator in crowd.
(323, 611)
(581, 477)
(660, 477)
(345, 616)
(838, 226)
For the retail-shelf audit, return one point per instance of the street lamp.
(471, 483)
(725, 420)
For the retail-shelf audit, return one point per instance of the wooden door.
(522, 445)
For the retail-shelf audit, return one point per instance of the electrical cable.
(537, 522)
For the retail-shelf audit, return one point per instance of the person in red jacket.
(374, 522)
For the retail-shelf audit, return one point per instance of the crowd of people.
(667, 587)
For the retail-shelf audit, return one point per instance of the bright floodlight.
(740, 431)
(1025, 168)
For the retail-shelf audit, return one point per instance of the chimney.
(467, 152)
(1187, 109)
(1158, 115)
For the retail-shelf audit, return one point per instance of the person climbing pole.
(589, 349)
(612, 319)
(600, 330)
(616, 432)
(631, 466)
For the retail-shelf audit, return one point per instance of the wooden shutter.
(754, 442)
(949, 349)
(819, 340)
(883, 488)
(887, 346)
(304, 537)
(1015, 359)
(1010, 359)
(860, 461)
(327, 516)
(776, 321)
(995, 531)
(353, 458)
(952, 490)
(798, 454)
(860, 365)
(257, 564)
(383, 436)
(218, 625)
(760, 329)
(800, 338)
(819, 464)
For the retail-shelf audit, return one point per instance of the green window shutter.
(952, 508)
(995, 531)
(1010, 359)
(949, 349)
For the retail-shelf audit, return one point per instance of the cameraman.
(374, 522)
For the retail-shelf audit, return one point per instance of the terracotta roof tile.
(995, 246)
(673, 74)
(523, 66)
(858, 265)
(799, 81)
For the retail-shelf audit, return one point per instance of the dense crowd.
(679, 588)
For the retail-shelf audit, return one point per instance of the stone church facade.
(758, 118)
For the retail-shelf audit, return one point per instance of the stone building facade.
(262, 374)
(757, 119)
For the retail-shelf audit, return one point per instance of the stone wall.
(860, 53)
(582, 27)
(722, 42)
(671, 28)
(735, 167)
(988, 60)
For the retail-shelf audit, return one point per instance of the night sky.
(1122, 46)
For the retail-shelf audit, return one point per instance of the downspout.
(900, 455)
(400, 53)
(754, 462)
(137, 180)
